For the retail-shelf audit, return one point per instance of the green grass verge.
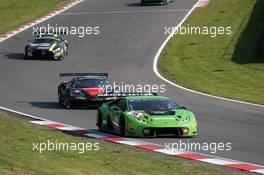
(14, 13)
(17, 156)
(228, 65)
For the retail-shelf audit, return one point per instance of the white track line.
(70, 128)
(156, 58)
(42, 122)
(203, 3)
(21, 113)
(218, 161)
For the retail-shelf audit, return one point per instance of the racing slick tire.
(122, 126)
(99, 121)
(60, 99)
(67, 104)
(109, 122)
(59, 58)
(26, 57)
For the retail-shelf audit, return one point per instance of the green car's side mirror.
(115, 108)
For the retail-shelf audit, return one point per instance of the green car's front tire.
(99, 121)
(122, 125)
(109, 122)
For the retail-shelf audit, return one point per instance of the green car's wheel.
(109, 122)
(122, 126)
(99, 121)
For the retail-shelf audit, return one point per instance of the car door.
(115, 112)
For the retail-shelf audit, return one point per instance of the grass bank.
(14, 13)
(17, 155)
(226, 65)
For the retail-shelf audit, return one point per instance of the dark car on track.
(46, 46)
(84, 89)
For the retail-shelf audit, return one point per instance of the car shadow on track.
(20, 56)
(14, 56)
(46, 105)
(56, 105)
(134, 4)
(138, 4)
(115, 134)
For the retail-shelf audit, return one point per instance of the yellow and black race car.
(46, 46)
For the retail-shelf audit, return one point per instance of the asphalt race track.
(129, 38)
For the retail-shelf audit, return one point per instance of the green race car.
(155, 2)
(146, 116)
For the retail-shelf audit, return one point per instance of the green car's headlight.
(186, 119)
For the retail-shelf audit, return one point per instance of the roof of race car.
(47, 36)
(89, 77)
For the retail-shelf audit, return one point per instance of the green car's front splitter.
(134, 129)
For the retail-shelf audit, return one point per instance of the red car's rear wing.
(83, 74)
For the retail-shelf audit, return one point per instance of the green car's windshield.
(43, 40)
(153, 105)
